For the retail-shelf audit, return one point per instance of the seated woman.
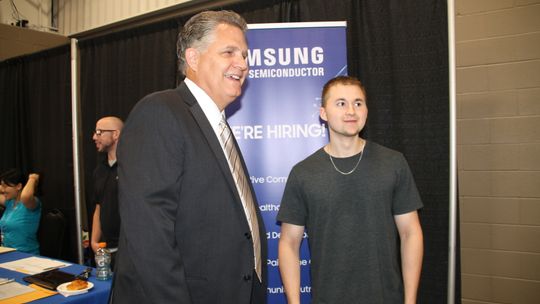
(20, 221)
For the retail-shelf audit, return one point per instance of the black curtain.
(116, 71)
(35, 125)
(14, 129)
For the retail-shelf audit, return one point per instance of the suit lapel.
(210, 136)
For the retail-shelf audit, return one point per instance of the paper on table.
(33, 265)
(13, 289)
(37, 293)
(6, 249)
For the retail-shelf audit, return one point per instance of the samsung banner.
(276, 122)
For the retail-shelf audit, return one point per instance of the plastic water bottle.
(103, 263)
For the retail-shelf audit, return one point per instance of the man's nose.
(350, 109)
(241, 63)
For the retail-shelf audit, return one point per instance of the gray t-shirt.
(353, 239)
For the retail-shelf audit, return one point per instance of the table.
(98, 294)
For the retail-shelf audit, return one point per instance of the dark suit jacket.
(184, 234)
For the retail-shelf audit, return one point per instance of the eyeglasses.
(98, 132)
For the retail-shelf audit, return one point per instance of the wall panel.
(81, 15)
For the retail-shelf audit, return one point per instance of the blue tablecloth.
(97, 295)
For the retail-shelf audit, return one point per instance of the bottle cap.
(102, 244)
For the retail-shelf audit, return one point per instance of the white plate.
(63, 289)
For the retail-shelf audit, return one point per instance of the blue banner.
(276, 121)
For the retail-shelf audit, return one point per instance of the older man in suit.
(191, 229)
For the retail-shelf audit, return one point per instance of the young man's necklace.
(353, 169)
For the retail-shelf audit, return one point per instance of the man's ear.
(322, 114)
(192, 58)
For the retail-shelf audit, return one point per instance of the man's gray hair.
(199, 29)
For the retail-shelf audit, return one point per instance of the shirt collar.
(209, 107)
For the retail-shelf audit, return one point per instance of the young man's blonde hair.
(343, 80)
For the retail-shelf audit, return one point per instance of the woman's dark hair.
(13, 177)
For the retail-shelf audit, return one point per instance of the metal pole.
(453, 179)
(76, 135)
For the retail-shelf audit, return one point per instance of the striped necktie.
(244, 190)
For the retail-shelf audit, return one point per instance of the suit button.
(247, 235)
(247, 277)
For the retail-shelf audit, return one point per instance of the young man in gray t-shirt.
(358, 202)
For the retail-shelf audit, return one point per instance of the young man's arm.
(289, 260)
(412, 250)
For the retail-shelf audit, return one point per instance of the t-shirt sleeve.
(406, 196)
(293, 208)
(37, 209)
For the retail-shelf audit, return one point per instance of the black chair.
(51, 233)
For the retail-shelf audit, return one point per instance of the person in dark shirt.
(106, 218)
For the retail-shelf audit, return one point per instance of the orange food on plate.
(77, 285)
